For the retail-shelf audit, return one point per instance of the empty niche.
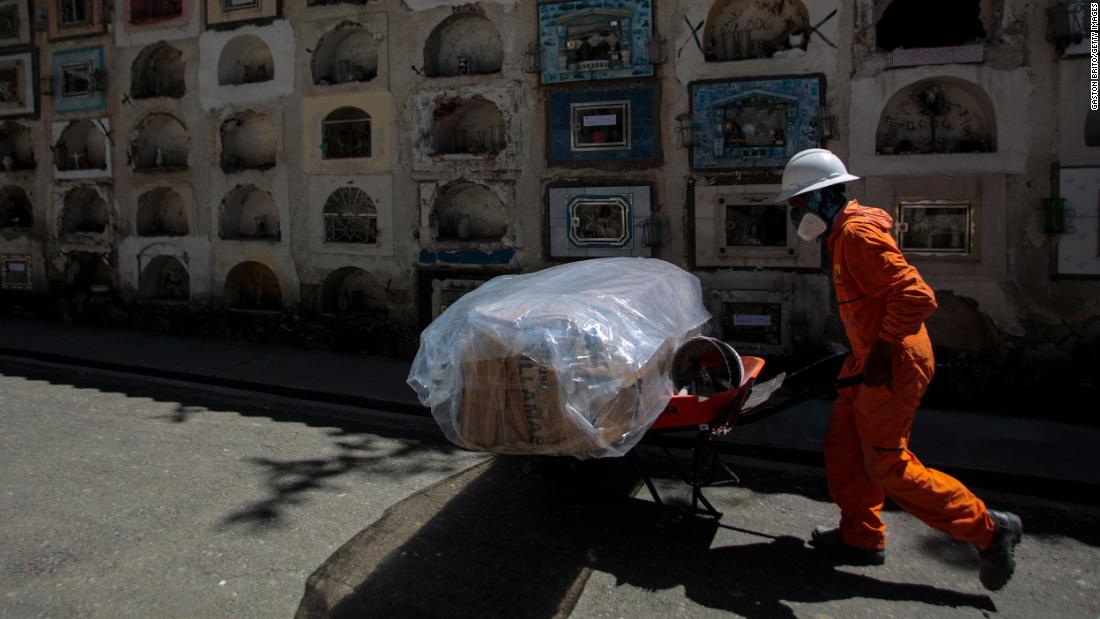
(931, 23)
(151, 11)
(936, 116)
(161, 212)
(249, 142)
(352, 290)
(16, 147)
(251, 285)
(245, 60)
(346, 134)
(347, 53)
(87, 271)
(157, 72)
(84, 211)
(468, 212)
(165, 279)
(82, 146)
(249, 213)
(747, 29)
(161, 144)
(350, 217)
(463, 44)
(16, 210)
(474, 126)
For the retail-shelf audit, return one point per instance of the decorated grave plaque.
(602, 124)
(598, 221)
(79, 79)
(594, 39)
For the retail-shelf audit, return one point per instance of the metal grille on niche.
(346, 134)
(350, 217)
(936, 117)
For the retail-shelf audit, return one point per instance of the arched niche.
(158, 72)
(932, 23)
(16, 210)
(747, 29)
(346, 134)
(85, 271)
(249, 213)
(152, 11)
(161, 144)
(245, 60)
(468, 212)
(352, 290)
(350, 217)
(16, 147)
(251, 285)
(463, 44)
(249, 142)
(83, 210)
(161, 212)
(347, 53)
(82, 146)
(165, 278)
(472, 126)
(943, 115)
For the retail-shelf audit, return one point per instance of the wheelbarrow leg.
(647, 478)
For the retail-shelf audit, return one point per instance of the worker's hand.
(878, 371)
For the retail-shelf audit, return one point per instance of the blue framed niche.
(595, 221)
(594, 40)
(602, 125)
(78, 78)
(754, 123)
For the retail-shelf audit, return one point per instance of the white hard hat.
(810, 170)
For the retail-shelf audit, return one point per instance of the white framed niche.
(741, 226)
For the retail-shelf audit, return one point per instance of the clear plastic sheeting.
(572, 360)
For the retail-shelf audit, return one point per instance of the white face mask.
(811, 227)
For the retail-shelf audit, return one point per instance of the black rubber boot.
(829, 541)
(998, 562)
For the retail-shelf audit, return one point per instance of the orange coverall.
(867, 455)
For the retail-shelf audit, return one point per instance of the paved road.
(127, 498)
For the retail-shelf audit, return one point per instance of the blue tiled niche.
(593, 125)
(754, 123)
(78, 78)
(594, 40)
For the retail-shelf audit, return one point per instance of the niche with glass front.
(79, 79)
(81, 147)
(249, 213)
(946, 228)
(84, 211)
(245, 59)
(161, 144)
(590, 125)
(350, 217)
(16, 210)
(161, 212)
(594, 39)
(249, 142)
(346, 134)
(463, 44)
(347, 53)
(470, 126)
(748, 29)
(17, 96)
(753, 323)
(943, 116)
(145, 12)
(252, 286)
(593, 221)
(15, 272)
(352, 290)
(73, 18)
(158, 72)
(15, 23)
(165, 278)
(16, 147)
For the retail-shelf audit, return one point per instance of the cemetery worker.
(883, 302)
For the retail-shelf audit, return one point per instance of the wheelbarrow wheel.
(705, 366)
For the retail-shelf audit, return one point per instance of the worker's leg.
(859, 498)
(884, 419)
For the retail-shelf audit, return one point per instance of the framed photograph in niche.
(17, 85)
(754, 123)
(594, 39)
(15, 23)
(590, 221)
(937, 228)
(592, 125)
(737, 224)
(79, 79)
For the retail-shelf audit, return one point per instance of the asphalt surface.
(124, 497)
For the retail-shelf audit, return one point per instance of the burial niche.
(84, 211)
(16, 210)
(747, 29)
(467, 126)
(161, 212)
(931, 23)
(16, 147)
(82, 146)
(346, 134)
(249, 213)
(469, 212)
(463, 44)
(253, 286)
(249, 142)
(165, 279)
(347, 53)
(152, 11)
(351, 217)
(937, 116)
(352, 290)
(161, 145)
(245, 60)
(157, 72)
